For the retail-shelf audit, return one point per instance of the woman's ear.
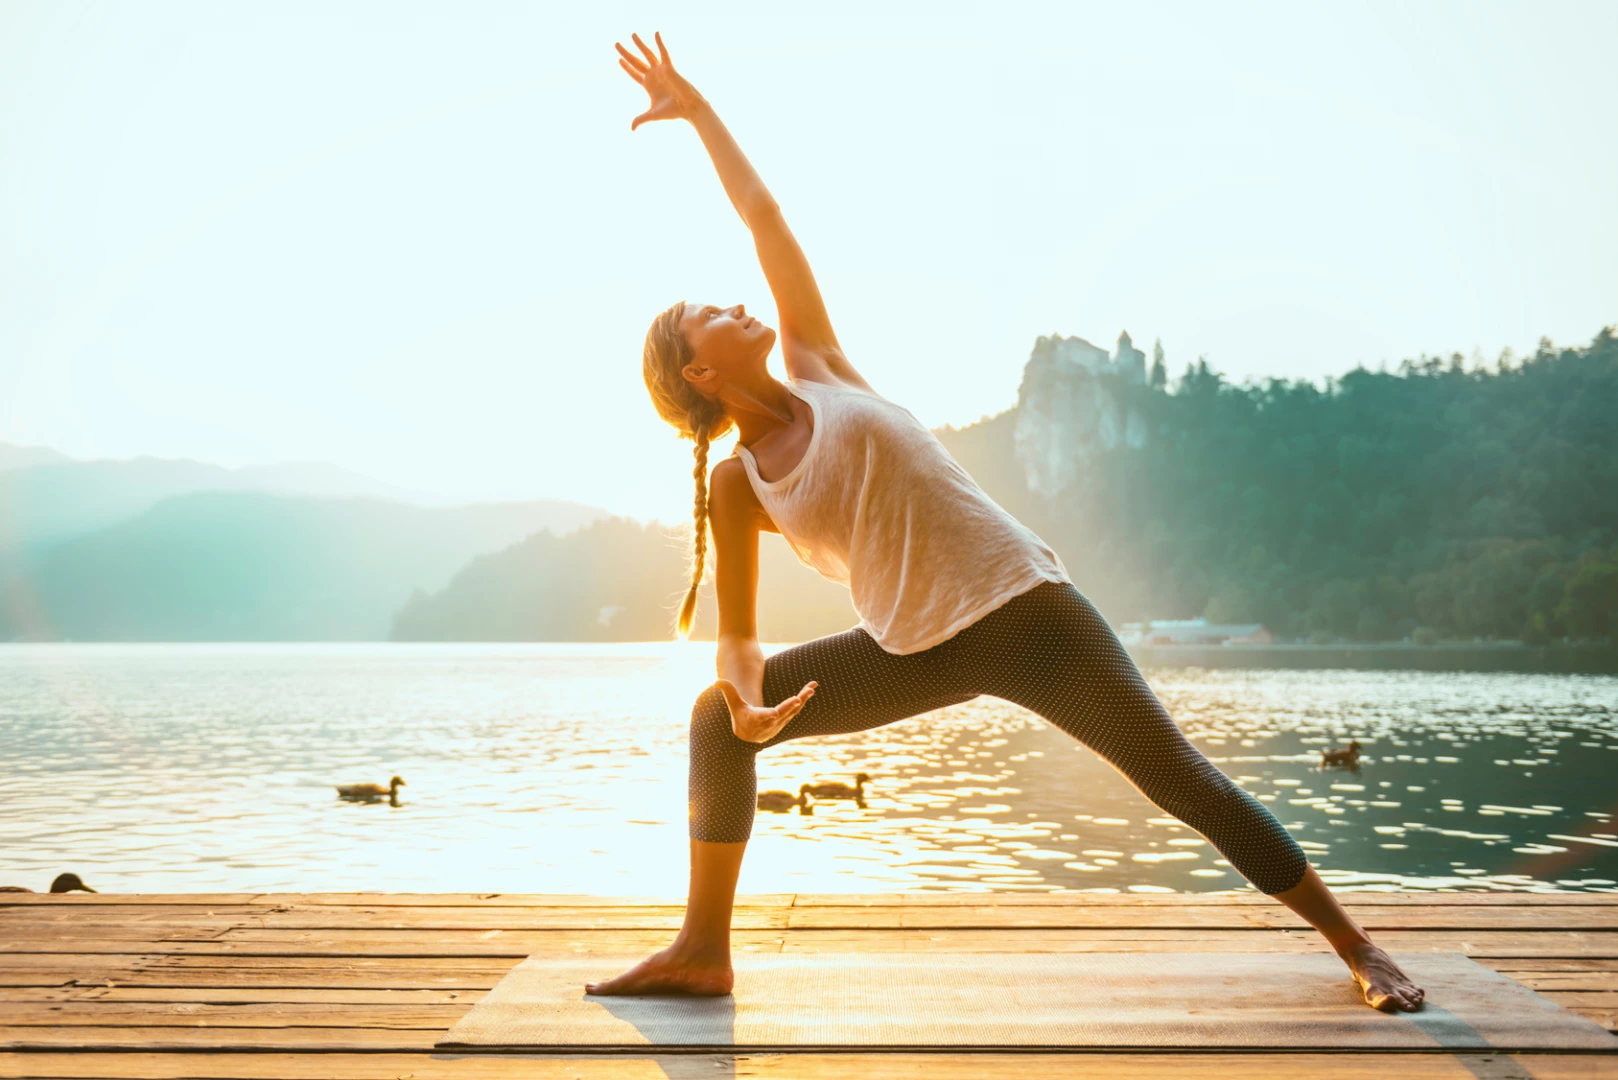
(700, 375)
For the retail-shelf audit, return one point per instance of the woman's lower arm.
(741, 181)
(741, 660)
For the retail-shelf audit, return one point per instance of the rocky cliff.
(1074, 402)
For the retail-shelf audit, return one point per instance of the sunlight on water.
(561, 768)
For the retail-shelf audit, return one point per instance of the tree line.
(1435, 501)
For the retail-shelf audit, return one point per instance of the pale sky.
(420, 240)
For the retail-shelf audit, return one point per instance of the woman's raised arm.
(809, 347)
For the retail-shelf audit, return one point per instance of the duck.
(1349, 756)
(371, 791)
(63, 883)
(836, 789)
(782, 801)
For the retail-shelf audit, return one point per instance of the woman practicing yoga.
(956, 598)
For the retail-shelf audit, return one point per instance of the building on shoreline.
(1198, 631)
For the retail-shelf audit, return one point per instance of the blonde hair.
(693, 416)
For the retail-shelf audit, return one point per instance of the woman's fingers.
(637, 62)
(662, 51)
(727, 688)
(656, 112)
(633, 74)
(650, 55)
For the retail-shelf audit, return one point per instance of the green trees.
(1473, 502)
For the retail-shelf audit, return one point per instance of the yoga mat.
(1249, 1000)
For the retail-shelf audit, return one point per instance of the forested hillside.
(613, 580)
(1468, 502)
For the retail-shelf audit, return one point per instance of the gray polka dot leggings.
(1047, 649)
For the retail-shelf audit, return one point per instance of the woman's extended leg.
(1049, 650)
(861, 686)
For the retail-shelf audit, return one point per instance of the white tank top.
(878, 504)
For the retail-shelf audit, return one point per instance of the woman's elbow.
(762, 212)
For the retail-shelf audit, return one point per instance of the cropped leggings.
(1047, 649)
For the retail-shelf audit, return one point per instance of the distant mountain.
(614, 580)
(254, 566)
(47, 497)
(23, 457)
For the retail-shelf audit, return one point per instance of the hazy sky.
(420, 240)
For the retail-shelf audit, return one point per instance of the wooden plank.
(225, 995)
(396, 943)
(1477, 944)
(327, 973)
(190, 924)
(316, 916)
(1572, 963)
(1584, 999)
(1188, 916)
(123, 914)
(1606, 1017)
(1566, 980)
(500, 900)
(1244, 898)
(16, 1016)
(55, 969)
(519, 943)
(864, 1066)
(433, 1017)
(83, 1038)
(11, 900)
(802, 900)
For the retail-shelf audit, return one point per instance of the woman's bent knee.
(721, 782)
(711, 731)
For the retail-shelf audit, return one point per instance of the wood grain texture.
(359, 985)
(926, 1066)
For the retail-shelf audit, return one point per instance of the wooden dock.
(362, 984)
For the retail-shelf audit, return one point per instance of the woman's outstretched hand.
(672, 97)
(756, 723)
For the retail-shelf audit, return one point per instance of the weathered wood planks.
(361, 985)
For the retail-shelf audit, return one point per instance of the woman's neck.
(757, 409)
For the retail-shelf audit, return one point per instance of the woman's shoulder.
(730, 492)
(851, 394)
(835, 386)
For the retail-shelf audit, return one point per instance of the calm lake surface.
(562, 769)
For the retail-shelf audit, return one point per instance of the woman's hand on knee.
(760, 723)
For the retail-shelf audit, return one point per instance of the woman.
(956, 598)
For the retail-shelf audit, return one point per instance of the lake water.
(561, 769)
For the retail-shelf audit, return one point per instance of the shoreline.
(1392, 656)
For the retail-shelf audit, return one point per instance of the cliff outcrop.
(1075, 402)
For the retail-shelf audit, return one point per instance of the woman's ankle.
(1350, 941)
(701, 949)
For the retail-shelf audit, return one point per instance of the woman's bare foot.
(672, 971)
(1382, 983)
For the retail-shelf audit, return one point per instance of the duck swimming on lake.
(371, 791)
(782, 801)
(836, 789)
(1348, 756)
(63, 883)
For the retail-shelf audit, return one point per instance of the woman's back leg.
(1050, 650)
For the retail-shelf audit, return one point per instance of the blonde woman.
(956, 597)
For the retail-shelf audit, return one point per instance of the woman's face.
(728, 343)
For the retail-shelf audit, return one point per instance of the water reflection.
(561, 768)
